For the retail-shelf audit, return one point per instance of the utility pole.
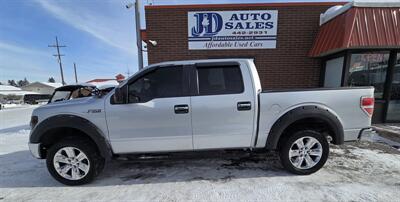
(128, 72)
(138, 36)
(58, 55)
(76, 77)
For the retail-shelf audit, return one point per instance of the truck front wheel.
(304, 152)
(74, 161)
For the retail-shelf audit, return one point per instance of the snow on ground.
(17, 116)
(357, 172)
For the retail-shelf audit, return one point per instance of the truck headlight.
(34, 121)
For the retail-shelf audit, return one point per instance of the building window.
(369, 69)
(333, 72)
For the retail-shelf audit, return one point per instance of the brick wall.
(287, 66)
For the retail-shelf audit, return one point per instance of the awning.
(359, 27)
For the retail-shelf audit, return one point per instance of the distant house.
(43, 88)
(13, 93)
(8, 89)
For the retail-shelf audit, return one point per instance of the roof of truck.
(189, 62)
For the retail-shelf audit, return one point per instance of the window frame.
(195, 75)
(347, 76)
(389, 85)
(125, 87)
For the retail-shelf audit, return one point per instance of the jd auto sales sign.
(232, 29)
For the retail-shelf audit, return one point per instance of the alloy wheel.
(305, 152)
(71, 163)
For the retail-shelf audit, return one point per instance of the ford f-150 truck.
(193, 106)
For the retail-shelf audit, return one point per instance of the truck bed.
(343, 102)
(314, 89)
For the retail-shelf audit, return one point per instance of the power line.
(58, 56)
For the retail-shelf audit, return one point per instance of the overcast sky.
(99, 35)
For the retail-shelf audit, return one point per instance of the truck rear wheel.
(74, 161)
(304, 152)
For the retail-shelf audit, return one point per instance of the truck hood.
(91, 108)
(66, 105)
(75, 101)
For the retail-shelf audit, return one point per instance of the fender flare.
(74, 122)
(303, 112)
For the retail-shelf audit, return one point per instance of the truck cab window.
(220, 80)
(161, 83)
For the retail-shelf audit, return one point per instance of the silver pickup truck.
(193, 106)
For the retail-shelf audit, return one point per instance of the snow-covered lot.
(358, 172)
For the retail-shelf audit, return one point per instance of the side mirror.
(118, 96)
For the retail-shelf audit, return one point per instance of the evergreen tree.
(12, 82)
(23, 82)
(20, 83)
(51, 80)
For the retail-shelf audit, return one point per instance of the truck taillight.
(367, 105)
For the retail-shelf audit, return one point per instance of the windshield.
(60, 96)
(81, 92)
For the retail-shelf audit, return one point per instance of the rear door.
(222, 107)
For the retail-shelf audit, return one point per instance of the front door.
(223, 109)
(393, 113)
(156, 115)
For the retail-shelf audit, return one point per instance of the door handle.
(181, 109)
(244, 106)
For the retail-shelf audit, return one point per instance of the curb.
(388, 133)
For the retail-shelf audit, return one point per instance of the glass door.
(393, 113)
(369, 69)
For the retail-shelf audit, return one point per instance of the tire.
(304, 160)
(66, 155)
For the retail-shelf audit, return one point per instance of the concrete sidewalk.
(390, 131)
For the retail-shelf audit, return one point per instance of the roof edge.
(326, 17)
(334, 51)
(381, 4)
(42, 83)
(245, 5)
